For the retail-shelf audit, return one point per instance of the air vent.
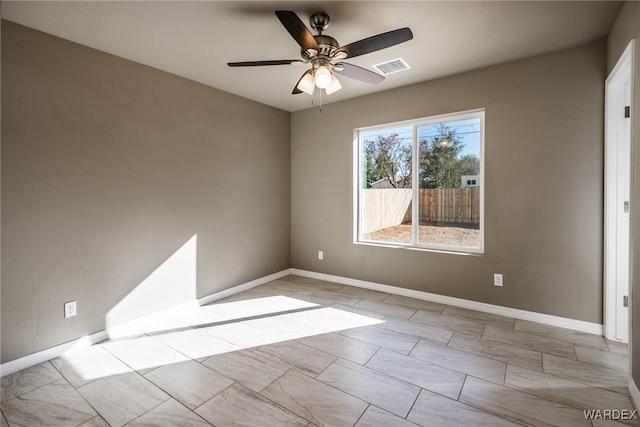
(393, 66)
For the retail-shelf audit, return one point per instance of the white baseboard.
(244, 287)
(547, 319)
(33, 359)
(635, 393)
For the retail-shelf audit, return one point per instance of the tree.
(388, 158)
(439, 163)
(469, 165)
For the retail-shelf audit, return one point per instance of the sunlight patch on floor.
(192, 315)
(200, 332)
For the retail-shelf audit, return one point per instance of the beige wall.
(543, 175)
(109, 168)
(627, 27)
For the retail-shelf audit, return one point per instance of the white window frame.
(358, 183)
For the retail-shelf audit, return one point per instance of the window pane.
(385, 193)
(449, 183)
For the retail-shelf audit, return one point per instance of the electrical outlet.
(320, 255)
(498, 280)
(70, 309)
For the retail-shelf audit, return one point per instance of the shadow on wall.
(170, 285)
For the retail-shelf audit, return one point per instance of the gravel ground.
(455, 236)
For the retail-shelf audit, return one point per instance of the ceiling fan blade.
(357, 73)
(297, 29)
(261, 63)
(379, 42)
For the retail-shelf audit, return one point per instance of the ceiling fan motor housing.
(327, 46)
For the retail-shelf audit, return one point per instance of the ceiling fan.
(325, 54)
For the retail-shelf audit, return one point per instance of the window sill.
(438, 250)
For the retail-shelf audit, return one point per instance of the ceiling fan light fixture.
(444, 143)
(323, 77)
(334, 86)
(307, 84)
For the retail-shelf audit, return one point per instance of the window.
(419, 183)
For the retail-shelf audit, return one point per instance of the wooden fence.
(385, 207)
(454, 205)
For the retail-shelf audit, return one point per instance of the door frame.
(613, 92)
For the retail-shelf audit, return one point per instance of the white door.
(623, 221)
(617, 197)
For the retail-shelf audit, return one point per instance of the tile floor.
(304, 352)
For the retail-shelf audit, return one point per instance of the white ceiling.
(196, 39)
